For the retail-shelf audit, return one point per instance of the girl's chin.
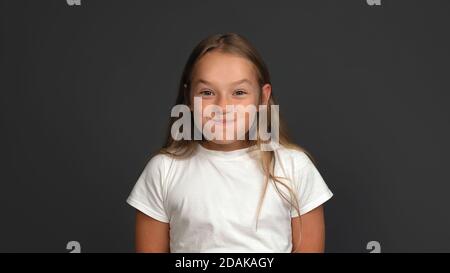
(224, 142)
(228, 139)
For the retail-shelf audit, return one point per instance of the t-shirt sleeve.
(311, 189)
(148, 192)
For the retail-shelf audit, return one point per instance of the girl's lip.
(223, 120)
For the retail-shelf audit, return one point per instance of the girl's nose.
(223, 102)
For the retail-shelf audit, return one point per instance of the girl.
(229, 195)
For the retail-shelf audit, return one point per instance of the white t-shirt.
(210, 200)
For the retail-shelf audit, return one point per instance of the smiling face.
(223, 79)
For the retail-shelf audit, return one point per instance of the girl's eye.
(240, 92)
(206, 93)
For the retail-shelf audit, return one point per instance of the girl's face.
(226, 79)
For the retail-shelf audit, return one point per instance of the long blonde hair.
(238, 45)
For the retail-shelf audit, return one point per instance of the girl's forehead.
(216, 67)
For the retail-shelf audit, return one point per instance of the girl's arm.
(151, 235)
(312, 231)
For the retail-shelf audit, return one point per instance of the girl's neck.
(240, 144)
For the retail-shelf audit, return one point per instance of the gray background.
(86, 93)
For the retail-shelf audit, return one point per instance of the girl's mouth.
(223, 119)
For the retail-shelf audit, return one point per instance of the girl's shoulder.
(293, 156)
(158, 163)
(164, 163)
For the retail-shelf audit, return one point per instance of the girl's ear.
(189, 100)
(266, 90)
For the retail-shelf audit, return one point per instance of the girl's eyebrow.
(242, 81)
(233, 83)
